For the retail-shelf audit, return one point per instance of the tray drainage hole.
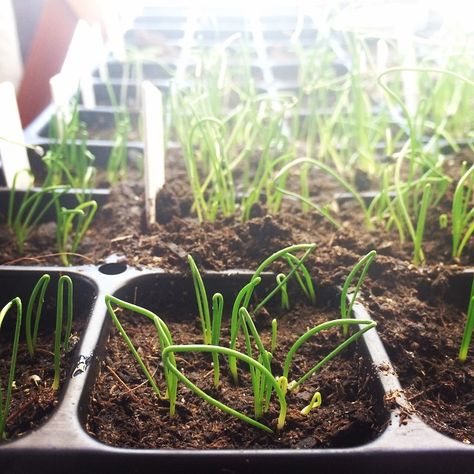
(113, 268)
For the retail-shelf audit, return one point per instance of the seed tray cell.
(143, 70)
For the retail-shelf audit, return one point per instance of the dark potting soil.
(422, 337)
(33, 398)
(392, 283)
(124, 411)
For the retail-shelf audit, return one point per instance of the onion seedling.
(170, 351)
(72, 225)
(6, 396)
(326, 169)
(69, 161)
(243, 298)
(462, 213)
(165, 340)
(365, 326)
(315, 402)
(467, 335)
(285, 302)
(32, 207)
(32, 334)
(274, 335)
(210, 329)
(361, 268)
(117, 165)
(264, 382)
(64, 280)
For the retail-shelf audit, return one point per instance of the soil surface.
(407, 301)
(125, 412)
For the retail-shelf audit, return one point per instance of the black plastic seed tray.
(100, 124)
(410, 446)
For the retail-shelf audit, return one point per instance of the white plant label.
(85, 51)
(62, 89)
(154, 169)
(12, 153)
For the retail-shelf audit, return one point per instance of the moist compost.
(422, 338)
(124, 411)
(229, 243)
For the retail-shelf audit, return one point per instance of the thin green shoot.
(285, 301)
(309, 248)
(69, 161)
(305, 282)
(361, 268)
(117, 166)
(39, 150)
(231, 353)
(217, 310)
(32, 336)
(418, 255)
(5, 400)
(366, 325)
(72, 225)
(64, 280)
(274, 335)
(462, 213)
(467, 335)
(328, 170)
(244, 296)
(165, 340)
(415, 140)
(32, 207)
(261, 388)
(443, 221)
(202, 301)
(316, 401)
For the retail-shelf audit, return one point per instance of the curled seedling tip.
(315, 402)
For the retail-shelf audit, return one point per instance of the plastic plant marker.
(154, 169)
(96, 45)
(12, 152)
(114, 25)
(62, 89)
(85, 51)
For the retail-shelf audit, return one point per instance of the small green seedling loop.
(315, 402)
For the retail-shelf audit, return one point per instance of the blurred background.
(35, 34)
